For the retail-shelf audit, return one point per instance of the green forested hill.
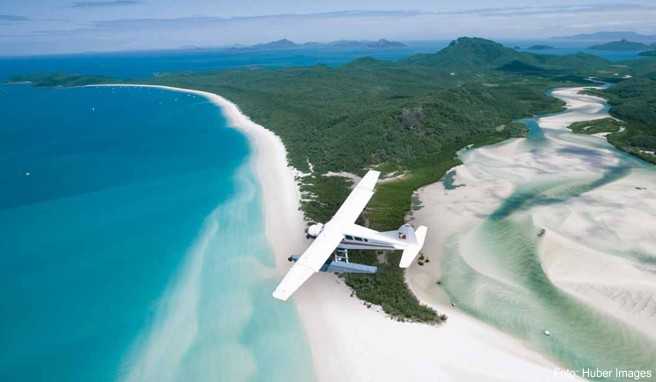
(397, 114)
(621, 46)
(470, 53)
(634, 102)
(361, 115)
(476, 54)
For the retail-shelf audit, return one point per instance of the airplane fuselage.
(355, 242)
(340, 234)
(362, 238)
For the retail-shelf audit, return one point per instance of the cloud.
(380, 17)
(500, 12)
(550, 10)
(99, 4)
(143, 31)
(13, 18)
(194, 20)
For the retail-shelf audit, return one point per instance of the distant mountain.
(611, 36)
(350, 44)
(384, 44)
(278, 44)
(621, 46)
(468, 54)
(540, 47)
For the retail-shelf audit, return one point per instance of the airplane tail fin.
(412, 251)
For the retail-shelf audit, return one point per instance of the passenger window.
(358, 239)
(348, 237)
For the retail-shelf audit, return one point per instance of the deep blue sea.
(131, 234)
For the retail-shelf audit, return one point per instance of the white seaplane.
(329, 250)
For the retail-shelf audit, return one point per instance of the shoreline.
(282, 215)
(489, 175)
(348, 341)
(269, 162)
(416, 277)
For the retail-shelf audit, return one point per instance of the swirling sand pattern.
(555, 233)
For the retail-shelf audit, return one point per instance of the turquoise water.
(535, 134)
(109, 197)
(514, 293)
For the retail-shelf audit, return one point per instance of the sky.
(65, 26)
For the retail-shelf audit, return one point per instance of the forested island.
(409, 118)
(347, 44)
(540, 47)
(621, 46)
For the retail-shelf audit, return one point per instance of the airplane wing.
(310, 262)
(333, 232)
(357, 199)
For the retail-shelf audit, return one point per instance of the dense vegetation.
(540, 47)
(62, 79)
(372, 112)
(408, 117)
(606, 125)
(621, 46)
(633, 101)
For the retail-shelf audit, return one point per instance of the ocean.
(135, 65)
(131, 224)
(132, 243)
(115, 202)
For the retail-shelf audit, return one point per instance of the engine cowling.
(314, 230)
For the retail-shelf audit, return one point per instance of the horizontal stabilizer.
(410, 253)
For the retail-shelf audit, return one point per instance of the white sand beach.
(350, 342)
(589, 244)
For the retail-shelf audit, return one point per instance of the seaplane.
(332, 241)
